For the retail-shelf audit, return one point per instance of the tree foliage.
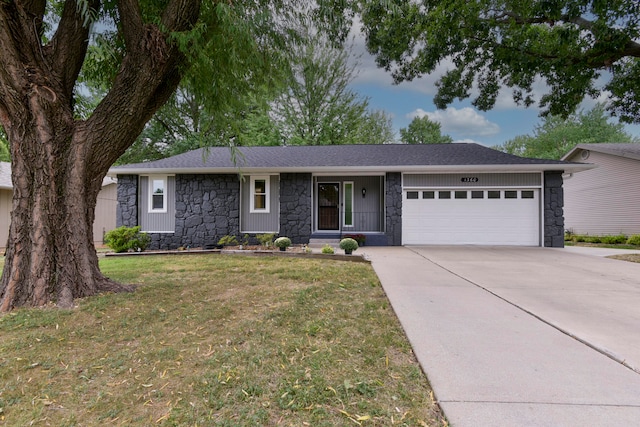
(421, 130)
(135, 52)
(556, 136)
(317, 106)
(306, 101)
(579, 49)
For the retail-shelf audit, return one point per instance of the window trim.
(253, 194)
(165, 182)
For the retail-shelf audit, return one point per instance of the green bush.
(228, 240)
(348, 244)
(327, 250)
(265, 239)
(579, 238)
(614, 240)
(593, 239)
(123, 238)
(282, 242)
(634, 239)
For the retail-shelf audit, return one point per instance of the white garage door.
(480, 217)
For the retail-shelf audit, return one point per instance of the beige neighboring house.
(604, 200)
(105, 207)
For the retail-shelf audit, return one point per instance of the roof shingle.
(391, 157)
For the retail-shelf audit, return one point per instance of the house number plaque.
(469, 179)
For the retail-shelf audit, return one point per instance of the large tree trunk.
(58, 162)
(51, 255)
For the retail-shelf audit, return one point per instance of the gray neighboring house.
(394, 194)
(604, 200)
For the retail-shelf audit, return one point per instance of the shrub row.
(618, 239)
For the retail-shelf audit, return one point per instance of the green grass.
(217, 341)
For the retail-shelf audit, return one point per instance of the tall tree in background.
(573, 46)
(308, 102)
(556, 136)
(317, 106)
(59, 158)
(421, 130)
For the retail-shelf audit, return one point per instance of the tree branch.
(149, 74)
(68, 46)
(132, 24)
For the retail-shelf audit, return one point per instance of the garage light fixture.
(364, 192)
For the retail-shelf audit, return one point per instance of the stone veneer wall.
(553, 210)
(127, 207)
(393, 208)
(207, 208)
(295, 207)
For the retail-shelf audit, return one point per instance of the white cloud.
(464, 121)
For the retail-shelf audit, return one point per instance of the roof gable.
(629, 150)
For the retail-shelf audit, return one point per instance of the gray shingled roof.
(629, 150)
(392, 157)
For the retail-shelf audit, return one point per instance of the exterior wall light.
(364, 192)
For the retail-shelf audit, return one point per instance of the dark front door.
(328, 206)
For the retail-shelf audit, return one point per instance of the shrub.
(282, 242)
(348, 244)
(123, 238)
(634, 239)
(265, 239)
(593, 239)
(228, 240)
(327, 250)
(614, 240)
(579, 238)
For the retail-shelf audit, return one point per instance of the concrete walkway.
(520, 336)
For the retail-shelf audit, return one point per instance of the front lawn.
(217, 340)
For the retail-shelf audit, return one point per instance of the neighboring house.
(105, 207)
(394, 194)
(604, 200)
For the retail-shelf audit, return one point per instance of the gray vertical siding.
(260, 222)
(161, 222)
(604, 200)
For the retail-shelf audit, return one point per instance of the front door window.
(328, 206)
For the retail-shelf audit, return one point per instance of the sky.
(460, 120)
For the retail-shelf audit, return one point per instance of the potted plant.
(349, 245)
(283, 243)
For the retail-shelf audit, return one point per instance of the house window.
(348, 204)
(259, 194)
(157, 194)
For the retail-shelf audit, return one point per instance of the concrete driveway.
(520, 336)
